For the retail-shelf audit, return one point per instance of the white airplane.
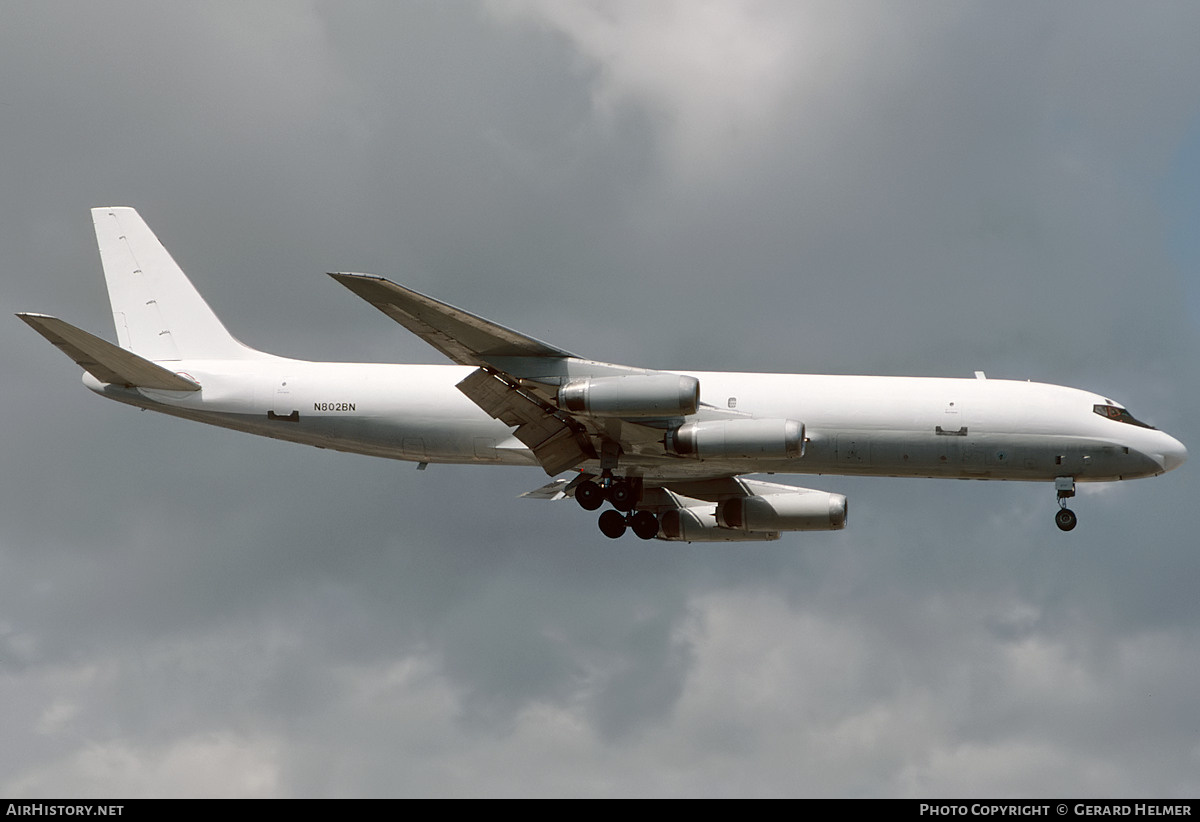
(667, 450)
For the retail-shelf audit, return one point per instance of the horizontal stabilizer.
(460, 335)
(105, 361)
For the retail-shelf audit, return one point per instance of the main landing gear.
(620, 492)
(643, 523)
(623, 495)
(1065, 518)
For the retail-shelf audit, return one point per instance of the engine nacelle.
(699, 524)
(790, 511)
(735, 439)
(632, 395)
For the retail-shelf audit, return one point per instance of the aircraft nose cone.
(1173, 455)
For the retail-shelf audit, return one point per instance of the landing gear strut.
(1065, 518)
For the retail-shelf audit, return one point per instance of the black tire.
(589, 495)
(645, 525)
(612, 524)
(1065, 519)
(621, 495)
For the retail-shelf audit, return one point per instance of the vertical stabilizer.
(158, 312)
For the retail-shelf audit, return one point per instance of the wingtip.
(353, 275)
(360, 284)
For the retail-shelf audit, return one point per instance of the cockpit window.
(1120, 415)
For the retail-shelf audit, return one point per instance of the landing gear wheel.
(589, 495)
(621, 495)
(612, 524)
(645, 525)
(1065, 519)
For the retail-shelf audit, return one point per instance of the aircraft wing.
(554, 490)
(460, 335)
(660, 495)
(517, 378)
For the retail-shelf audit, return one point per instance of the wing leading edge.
(464, 337)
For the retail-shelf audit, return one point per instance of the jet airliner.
(668, 451)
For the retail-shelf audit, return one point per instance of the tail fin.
(158, 312)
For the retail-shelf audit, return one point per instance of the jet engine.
(734, 439)
(791, 511)
(699, 524)
(632, 395)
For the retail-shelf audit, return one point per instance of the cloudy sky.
(841, 187)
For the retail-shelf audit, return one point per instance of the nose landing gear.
(1065, 518)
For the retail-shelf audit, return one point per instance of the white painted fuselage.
(855, 425)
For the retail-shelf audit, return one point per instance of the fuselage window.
(1120, 415)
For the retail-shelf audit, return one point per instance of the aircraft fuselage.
(855, 425)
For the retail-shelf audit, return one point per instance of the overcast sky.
(923, 188)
